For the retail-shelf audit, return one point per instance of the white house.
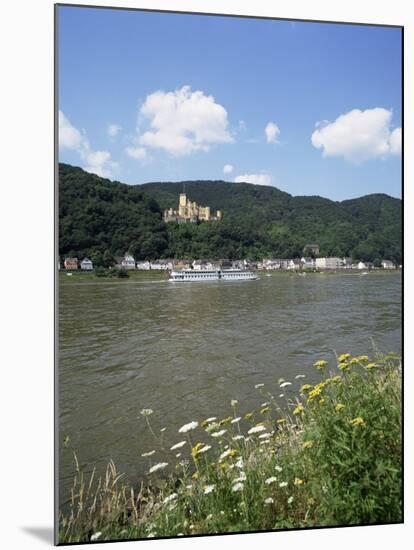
(144, 266)
(86, 264)
(387, 264)
(361, 265)
(127, 262)
(163, 265)
(308, 263)
(328, 263)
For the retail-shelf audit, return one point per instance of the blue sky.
(162, 97)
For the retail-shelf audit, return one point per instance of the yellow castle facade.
(190, 211)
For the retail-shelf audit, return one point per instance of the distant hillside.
(99, 217)
(279, 224)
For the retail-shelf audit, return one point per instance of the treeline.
(101, 219)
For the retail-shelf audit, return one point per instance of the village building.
(144, 265)
(308, 263)
(71, 263)
(163, 265)
(126, 262)
(190, 211)
(328, 263)
(86, 264)
(387, 264)
(182, 264)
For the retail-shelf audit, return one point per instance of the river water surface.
(186, 349)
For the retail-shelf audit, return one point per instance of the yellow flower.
(311, 501)
(314, 393)
(339, 407)
(344, 357)
(358, 421)
(343, 366)
(371, 366)
(247, 416)
(322, 401)
(307, 444)
(337, 379)
(320, 364)
(195, 475)
(225, 421)
(195, 449)
(298, 481)
(265, 410)
(362, 358)
(299, 409)
(281, 420)
(305, 387)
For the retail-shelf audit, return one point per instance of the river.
(185, 350)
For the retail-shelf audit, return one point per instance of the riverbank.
(330, 455)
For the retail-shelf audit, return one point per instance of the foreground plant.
(330, 456)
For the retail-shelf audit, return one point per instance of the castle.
(190, 212)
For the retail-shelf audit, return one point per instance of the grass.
(331, 455)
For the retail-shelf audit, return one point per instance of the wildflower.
(358, 421)
(195, 475)
(239, 463)
(211, 427)
(298, 481)
(208, 421)
(265, 410)
(96, 535)
(146, 412)
(265, 404)
(170, 498)
(237, 487)
(256, 429)
(237, 437)
(281, 395)
(177, 455)
(307, 444)
(269, 500)
(247, 416)
(237, 419)
(371, 366)
(270, 480)
(195, 449)
(149, 453)
(210, 516)
(162, 429)
(284, 384)
(265, 435)
(209, 489)
(314, 393)
(178, 445)
(299, 409)
(188, 487)
(343, 366)
(298, 376)
(233, 402)
(187, 427)
(224, 455)
(343, 357)
(218, 434)
(320, 364)
(242, 477)
(305, 387)
(290, 500)
(322, 401)
(278, 468)
(339, 407)
(225, 421)
(281, 420)
(283, 484)
(362, 358)
(257, 386)
(204, 449)
(159, 466)
(311, 501)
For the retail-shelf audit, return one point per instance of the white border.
(26, 218)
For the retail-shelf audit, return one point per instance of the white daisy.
(187, 427)
(283, 484)
(237, 437)
(284, 384)
(237, 487)
(269, 500)
(159, 466)
(209, 489)
(270, 480)
(170, 498)
(146, 412)
(237, 419)
(256, 429)
(178, 445)
(257, 386)
(149, 453)
(218, 434)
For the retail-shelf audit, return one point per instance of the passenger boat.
(186, 275)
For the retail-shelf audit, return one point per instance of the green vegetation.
(328, 454)
(100, 219)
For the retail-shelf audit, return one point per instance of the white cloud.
(97, 162)
(272, 132)
(228, 168)
(358, 135)
(256, 179)
(113, 130)
(182, 122)
(396, 141)
(138, 153)
(69, 136)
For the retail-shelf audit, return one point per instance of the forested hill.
(369, 227)
(98, 217)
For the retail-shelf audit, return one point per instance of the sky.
(310, 108)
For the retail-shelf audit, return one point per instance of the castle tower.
(182, 205)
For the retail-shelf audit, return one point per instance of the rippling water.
(186, 349)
